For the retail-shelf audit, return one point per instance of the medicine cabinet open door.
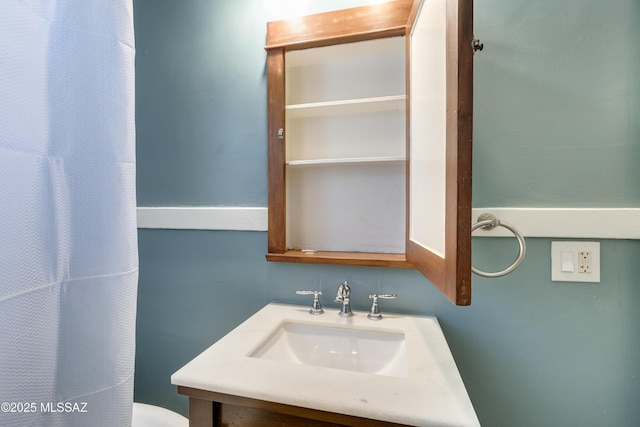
(440, 106)
(370, 139)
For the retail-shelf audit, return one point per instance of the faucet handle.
(375, 314)
(316, 308)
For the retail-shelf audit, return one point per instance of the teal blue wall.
(556, 111)
(557, 102)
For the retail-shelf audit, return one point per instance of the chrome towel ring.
(488, 221)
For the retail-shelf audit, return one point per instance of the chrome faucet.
(343, 296)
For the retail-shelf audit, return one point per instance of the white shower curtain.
(68, 245)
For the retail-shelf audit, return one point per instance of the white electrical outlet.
(584, 261)
(575, 261)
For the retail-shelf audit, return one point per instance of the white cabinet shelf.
(347, 161)
(347, 106)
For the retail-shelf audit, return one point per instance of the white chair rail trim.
(599, 223)
(203, 218)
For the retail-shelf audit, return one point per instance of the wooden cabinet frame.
(450, 273)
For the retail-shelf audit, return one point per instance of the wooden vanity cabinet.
(209, 409)
(357, 174)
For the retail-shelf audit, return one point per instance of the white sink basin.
(398, 369)
(360, 350)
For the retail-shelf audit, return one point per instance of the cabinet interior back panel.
(379, 134)
(337, 208)
(357, 70)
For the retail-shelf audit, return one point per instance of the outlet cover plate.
(574, 247)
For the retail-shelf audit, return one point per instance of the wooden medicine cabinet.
(370, 119)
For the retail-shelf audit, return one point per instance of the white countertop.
(433, 395)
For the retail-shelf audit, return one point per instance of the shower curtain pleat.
(68, 242)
